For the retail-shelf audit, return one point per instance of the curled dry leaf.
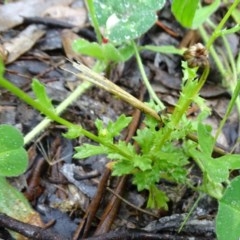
(76, 17)
(3, 53)
(68, 37)
(23, 42)
(11, 14)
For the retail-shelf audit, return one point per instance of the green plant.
(160, 155)
(13, 162)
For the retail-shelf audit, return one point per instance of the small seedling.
(160, 155)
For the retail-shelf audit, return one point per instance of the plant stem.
(213, 52)
(181, 108)
(59, 109)
(215, 34)
(53, 116)
(91, 11)
(145, 79)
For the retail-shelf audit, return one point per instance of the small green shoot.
(41, 95)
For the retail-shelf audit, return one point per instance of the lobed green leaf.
(88, 150)
(41, 94)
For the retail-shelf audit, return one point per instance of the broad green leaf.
(184, 11)
(88, 150)
(126, 51)
(125, 20)
(228, 217)
(13, 157)
(217, 169)
(233, 160)
(157, 198)
(14, 204)
(203, 13)
(205, 139)
(111, 53)
(41, 95)
(85, 47)
(106, 52)
(212, 188)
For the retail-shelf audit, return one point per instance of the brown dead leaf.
(68, 37)
(23, 42)
(76, 17)
(11, 14)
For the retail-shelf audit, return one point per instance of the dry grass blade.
(102, 82)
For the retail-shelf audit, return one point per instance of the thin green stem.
(145, 78)
(212, 51)
(190, 212)
(231, 104)
(59, 109)
(54, 117)
(91, 11)
(215, 34)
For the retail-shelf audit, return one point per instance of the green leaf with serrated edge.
(205, 139)
(188, 73)
(184, 11)
(126, 20)
(88, 150)
(203, 13)
(114, 128)
(13, 157)
(143, 163)
(144, 179)
(99, 124)
(122, 167)
(145, 138)
(127, 148)
(41, 95)
(157, 198)
(228, 217)
(72, 133)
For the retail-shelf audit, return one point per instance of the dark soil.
(77, 194)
